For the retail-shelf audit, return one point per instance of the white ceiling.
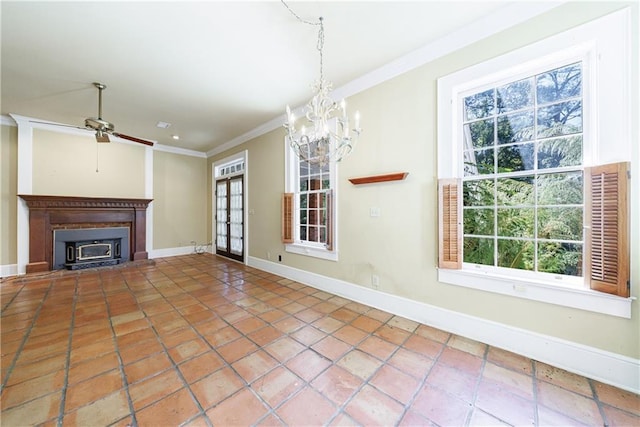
(214, 70)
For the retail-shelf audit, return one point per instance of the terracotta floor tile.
(277, 385)
(92, 367)
(548, 417)
(618, 398)
(222, 336)
(308, 407)
(265, 335)
(617, 417)
(36, 369)
(564, 379)
(154, 388)
(308, 364)
(135, 338)
(569, 403)
(147, 367)
(498, 402)
(254, 365)
(424, 346)
(337, 384)
(284, 349)
(93, 389)
(188, 350)
(453, 381)
(509, 360)
(236, 350)
(200, 366)
(344, 315)
(511, 381)
(411, 363)
(350, 335)
(33, 388)
(140, 351)
(241, 409)
(308, 335)
(177, 337)
(273, 316)
(440, 407)
(433, 333)
(412, 419)
(366, 323)
(172, 410)
(270, 420)
(343, 420)
(216, 387)
(104, 411)
(91, 351)
(480, 418)
(371, 407)
(308, 315)
(360, 364)
(395, 383)
(289, 324)
(461, 360)
(34, 412)
(331, 348)
(467, 345)
(328, 324)
(402, 323)
(249, 325)
(377, 347)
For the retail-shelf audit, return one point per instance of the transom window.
(522, 162)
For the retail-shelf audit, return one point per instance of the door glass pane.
(236, 216)
(221, 215)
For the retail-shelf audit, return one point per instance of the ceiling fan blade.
(132, 138)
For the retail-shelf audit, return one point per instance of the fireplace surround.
(50, 213)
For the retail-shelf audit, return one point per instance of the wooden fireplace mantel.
(48, 213)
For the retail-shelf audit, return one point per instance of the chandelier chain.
(320, 43)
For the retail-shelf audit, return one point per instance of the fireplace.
(82, 248)
(51, 217)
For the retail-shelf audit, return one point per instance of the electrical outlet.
(279, 258)
(374, 212)
(375, 281)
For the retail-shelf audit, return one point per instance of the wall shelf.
(399, 176)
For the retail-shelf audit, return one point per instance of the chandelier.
(328, 137)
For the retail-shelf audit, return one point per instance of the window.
(308, 210)
(523, 180)
(520, 138)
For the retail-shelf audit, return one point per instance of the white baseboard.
(8, 270)
(167, 252)
(607, 367)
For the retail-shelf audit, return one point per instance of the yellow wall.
(179, 200)
(399, 119)
(9, 188)
(65, 165)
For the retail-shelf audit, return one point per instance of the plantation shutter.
(607, 232)
(449, 224)
(287, 218)
(329, 202)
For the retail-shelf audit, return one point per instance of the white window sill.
(580, 298)
(316, 252)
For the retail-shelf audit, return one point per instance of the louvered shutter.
(329, 244)
(287, 218)
(449, 224)
(607, 232)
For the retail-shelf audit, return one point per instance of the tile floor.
(198, 340)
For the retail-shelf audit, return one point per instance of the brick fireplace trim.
(48, 213)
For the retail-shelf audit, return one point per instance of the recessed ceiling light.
(163, 125)
(176, 137)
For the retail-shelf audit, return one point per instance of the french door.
(230, 217)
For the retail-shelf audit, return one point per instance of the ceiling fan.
(102, 127)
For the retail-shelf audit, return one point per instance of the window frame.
(292, 185)
(603, 47)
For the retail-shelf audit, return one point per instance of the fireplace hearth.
(49, 215)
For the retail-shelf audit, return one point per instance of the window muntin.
(522, 163)
(314, 185)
